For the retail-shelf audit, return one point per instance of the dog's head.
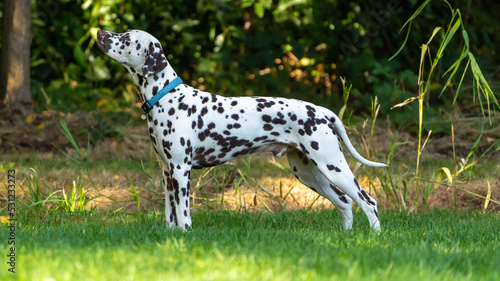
(136, 49)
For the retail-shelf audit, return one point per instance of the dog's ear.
(155, 60)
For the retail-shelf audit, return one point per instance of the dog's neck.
(148, 87)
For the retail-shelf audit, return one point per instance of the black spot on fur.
(368, 199)
(260, 138)
(267, 127)
(200, 122)
(279, 121)
(333, 168)
(214, 98)
(303, 148)
(314, 145)
(357, 184)
(204, 111)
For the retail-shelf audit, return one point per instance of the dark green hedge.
(297, 48)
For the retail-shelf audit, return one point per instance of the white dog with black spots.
(192, 129)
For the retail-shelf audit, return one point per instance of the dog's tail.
(345, 139)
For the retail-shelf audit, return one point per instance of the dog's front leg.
(177, 197)
(170, 213)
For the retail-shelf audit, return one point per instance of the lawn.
(228, 245)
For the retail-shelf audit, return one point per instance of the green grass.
(224, 245)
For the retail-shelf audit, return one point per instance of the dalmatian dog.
(192, 129)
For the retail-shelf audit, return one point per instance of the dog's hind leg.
(307, 173)
(339, 174)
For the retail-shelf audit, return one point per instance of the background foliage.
(291, 48)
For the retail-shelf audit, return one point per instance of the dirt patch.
(41, 131)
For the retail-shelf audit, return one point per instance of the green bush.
(296, 49)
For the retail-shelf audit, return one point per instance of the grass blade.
(404, 43)
(482, 85)
(488, 196)
(65, 130)
(455, 66)
(448, 37)
(446, 171)
(436, 30)
(417, 12)
(460, 84)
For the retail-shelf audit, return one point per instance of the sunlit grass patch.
(226, 245)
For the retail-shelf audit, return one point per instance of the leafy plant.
(481, 90)
(77, 202)
(425, 78)
(33, 185)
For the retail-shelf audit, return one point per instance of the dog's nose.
(101, 33)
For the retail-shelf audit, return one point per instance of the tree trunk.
(15, 94)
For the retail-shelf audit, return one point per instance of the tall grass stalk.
(83, 155)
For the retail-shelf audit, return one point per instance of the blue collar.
(148, 105)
